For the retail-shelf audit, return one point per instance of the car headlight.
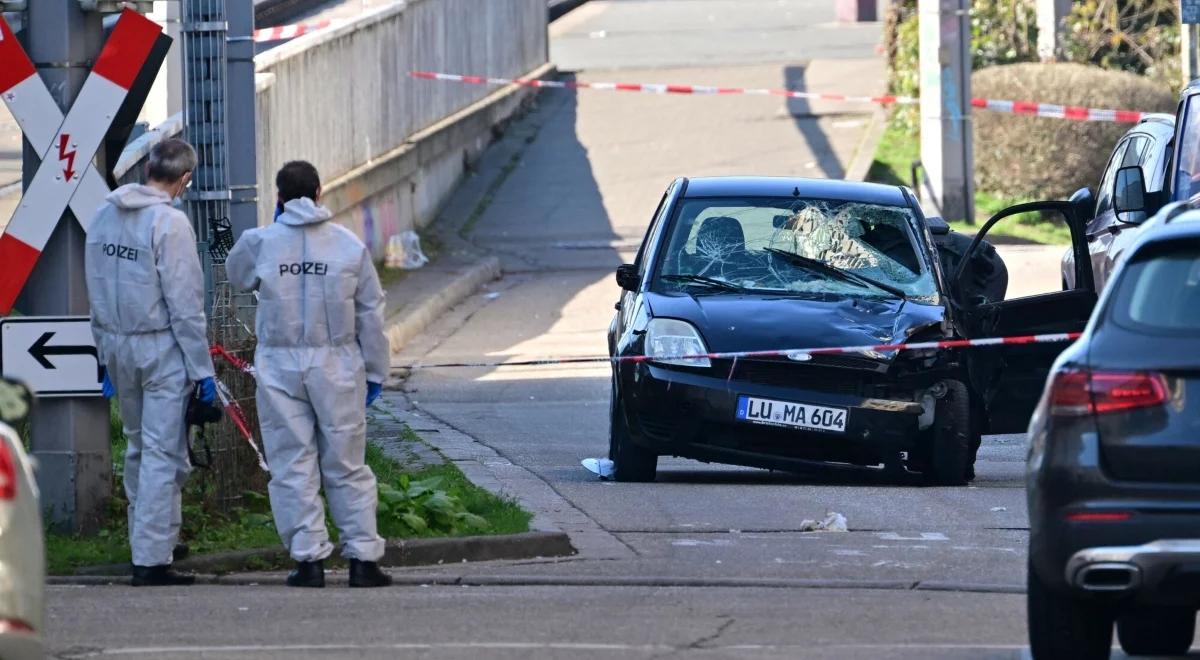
(669, 338)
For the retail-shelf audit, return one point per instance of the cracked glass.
(794, 246)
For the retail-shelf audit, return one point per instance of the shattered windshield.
(794, 246)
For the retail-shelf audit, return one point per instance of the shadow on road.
(809, 125)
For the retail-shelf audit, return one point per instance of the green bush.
(1033, 157)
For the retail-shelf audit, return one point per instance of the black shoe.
(367, 574)
(181, 552)
(307, 574)
(160, 576)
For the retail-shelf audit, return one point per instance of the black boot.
(160, 576)
(367, 574)
(307, 574)
(181, 552)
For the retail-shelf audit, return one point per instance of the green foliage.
(421, 506)
(1003, 32)
(1138, 36)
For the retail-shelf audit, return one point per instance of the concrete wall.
(390, 148)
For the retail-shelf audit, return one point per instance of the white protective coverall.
(320, 339)
(146, 290)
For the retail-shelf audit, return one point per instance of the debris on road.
(404, 251)
(834, 522)
(602, 467)
(999, 508)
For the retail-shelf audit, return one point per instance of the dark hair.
(297, 179)
(170, 160)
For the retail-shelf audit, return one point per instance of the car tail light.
(1074, 393)
(1099, 516)
(8, 472)
(15, 626)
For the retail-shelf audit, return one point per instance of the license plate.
(791, 415)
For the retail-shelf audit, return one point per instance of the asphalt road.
(708, 561)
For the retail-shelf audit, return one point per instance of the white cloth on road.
(146, 290)
(320, 339)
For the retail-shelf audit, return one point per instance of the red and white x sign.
(68, 145)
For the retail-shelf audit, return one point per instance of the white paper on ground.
(834, 522)
(598, 466)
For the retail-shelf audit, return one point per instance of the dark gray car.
(1114, 464)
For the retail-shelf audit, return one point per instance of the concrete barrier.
(391, 148)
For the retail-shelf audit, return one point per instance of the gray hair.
(170, 160)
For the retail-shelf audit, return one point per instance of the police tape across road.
(285, 32)
(1029, 108)
(791, 354)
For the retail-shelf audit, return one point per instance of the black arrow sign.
(40, 350)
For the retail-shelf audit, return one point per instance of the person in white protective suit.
(321, 356)
(146, 290)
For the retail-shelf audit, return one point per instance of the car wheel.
(1064, 627)
(630, 462)
(1157, 631)
(952, 456)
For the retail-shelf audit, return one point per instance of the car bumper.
(1150, 553)
(693, 413)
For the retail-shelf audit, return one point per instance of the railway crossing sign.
(52, 356)
(66, 177)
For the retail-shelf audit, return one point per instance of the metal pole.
(1050, 16)
(243, 144)
(1188, 47)
(69, 437)
(947, 143)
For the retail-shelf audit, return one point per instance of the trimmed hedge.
(1032, 157)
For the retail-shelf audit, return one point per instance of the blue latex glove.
(373, 392)
(106, 386)
(208, 390)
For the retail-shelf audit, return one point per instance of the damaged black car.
(736, 264)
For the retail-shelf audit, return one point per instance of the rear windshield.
(1160, 291)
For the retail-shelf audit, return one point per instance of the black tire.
(631, 463)
(951, 451)
(1061, 626)
(1157, 631)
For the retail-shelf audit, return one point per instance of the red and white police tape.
(793, 354)
(285, 32)
(1012, 107)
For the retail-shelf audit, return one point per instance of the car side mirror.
(1129, 195)
(627, 277)
(937, 226)
(1084, 204)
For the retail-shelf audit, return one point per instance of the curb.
(865, 155)
(422, 315)
(398, 553)
(588, 581)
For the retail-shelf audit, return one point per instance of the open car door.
(1009, 379)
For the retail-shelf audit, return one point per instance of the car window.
(1159, 292)
(794, 246)
(1187, 175)
(1136, 151)
(1104, 196)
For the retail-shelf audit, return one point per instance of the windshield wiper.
(701, 279)
(834, 271)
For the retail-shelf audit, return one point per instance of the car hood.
(766, 322)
